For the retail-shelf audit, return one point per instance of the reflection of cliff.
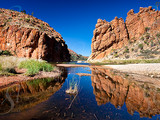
(28, 94)
(111, 87)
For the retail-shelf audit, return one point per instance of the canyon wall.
(26, 36)
(109, 36)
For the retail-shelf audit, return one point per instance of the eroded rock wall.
(109, 36)
(26, 36)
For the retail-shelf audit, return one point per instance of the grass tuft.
(34, 66)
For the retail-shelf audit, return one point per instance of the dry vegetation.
(8, 65)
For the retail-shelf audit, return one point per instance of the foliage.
(116, 55)
(147, 36)
(34, 66)
(158, 35)
(146, 42)
(23, 11)
(140, 46)
(142, 38)
(8, 53)
(132, 49)
(27, 19)
(32, 13)
(147, 29)
(126, 50)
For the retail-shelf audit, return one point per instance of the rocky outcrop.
(115, 88)
(109, 36)
(26, 36)
(75, 56)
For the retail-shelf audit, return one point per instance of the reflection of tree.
(113, 88)
(29, 93)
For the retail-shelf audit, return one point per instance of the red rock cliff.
(116, 34)
(26, 36)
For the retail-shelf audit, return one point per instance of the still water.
(104, 95)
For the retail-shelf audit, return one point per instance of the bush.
(116, 55)
(27, 19)
(158, 35)
(5, 53)
(126, 50)
(23, 11)
(34, 66)
(132, 49)
(140, 46)
(142, 38)
(147, 36)
(147, 29)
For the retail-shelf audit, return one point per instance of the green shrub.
(126, 50)
(5, 53)
(23, 11)
(147, 29)
(27, 19)
(1, 12)
(158, 35)
(147, 36)
(10, 70)
(142, 38)
(116, 55)
(140, 46)
(34, 66)
(132, 49)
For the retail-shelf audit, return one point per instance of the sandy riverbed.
(151, 69)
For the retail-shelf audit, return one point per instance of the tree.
(32, 13)
(23, 11)
(157, 4)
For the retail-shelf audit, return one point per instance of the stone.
(110, 36)
(26, 36)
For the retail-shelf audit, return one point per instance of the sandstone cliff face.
(26, 36)
(109, 36)
(118, 90)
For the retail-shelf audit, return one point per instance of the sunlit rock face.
(26, 36)
(109, 36)
(111, 87)
(27, 94)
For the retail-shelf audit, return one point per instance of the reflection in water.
(28, 94)
(118, 90)
(118, 97)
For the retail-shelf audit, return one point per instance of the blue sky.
(75, 19)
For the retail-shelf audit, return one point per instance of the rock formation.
(110, 36)
(26, 36)
(118, 90)
(76, 57)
